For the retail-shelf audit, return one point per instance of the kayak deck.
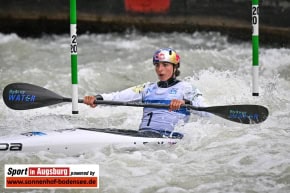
(78, 140)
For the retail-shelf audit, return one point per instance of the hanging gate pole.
(255, 46)
(74, 60)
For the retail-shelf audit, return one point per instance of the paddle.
(23, 96)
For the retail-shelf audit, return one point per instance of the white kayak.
(77, 140)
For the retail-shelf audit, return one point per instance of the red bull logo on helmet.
(160, 56)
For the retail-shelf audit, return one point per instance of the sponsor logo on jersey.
(173, 91)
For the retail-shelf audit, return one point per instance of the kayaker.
(168, 90)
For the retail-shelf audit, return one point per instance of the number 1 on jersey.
(150, 117)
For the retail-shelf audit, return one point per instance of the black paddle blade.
(247, 114)
(22, 96)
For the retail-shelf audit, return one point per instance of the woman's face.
(164, 70)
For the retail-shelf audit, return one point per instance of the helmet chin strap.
(173, 73)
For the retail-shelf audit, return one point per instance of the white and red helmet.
(166, 55)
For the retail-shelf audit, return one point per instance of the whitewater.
(216, 155)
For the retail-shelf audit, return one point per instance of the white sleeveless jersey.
(159, 118)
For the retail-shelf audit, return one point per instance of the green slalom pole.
(255, 46)
(74, 58)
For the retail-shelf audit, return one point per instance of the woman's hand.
(89, 100)
(175, 104)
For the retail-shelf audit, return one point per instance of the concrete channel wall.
(34, 18)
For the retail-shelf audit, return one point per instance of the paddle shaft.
(134, 104)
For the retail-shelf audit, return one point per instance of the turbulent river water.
(216, 155)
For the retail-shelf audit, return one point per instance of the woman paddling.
(168, 90)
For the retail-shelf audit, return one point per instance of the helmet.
(166, 55)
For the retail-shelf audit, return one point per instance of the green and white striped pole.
(74, 58)
(255, 46)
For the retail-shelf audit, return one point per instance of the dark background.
(33, 18)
